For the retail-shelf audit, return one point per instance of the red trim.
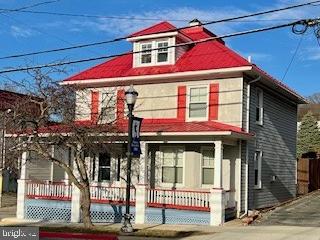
(214, 101)
(94, 106)
(171, 190)
(114, 202)
(64, 235)
(49, 198)
(172, 206)
(120, 104)
(181, 114)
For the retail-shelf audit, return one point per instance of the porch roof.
(150, 129)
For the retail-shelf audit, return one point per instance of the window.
(259, 107)
(108, 107)
(207, 164)
(104, 167)
(172, 165)
(162, 55)
(198, 100)
(146, 56)
(257, 169)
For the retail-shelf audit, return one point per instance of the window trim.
(188, 118)
(201, 165)
(154, 53)
(171, 185)
(157, 51)
(258, 103)
(259, 162)
(144, 53)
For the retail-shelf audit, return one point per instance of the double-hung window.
(104, 167)
(155, 52)
(146, 54)
(257, 169)
(259, 107)
(108, 107)
(172, 165)
(162, 55)
(198, 102)
(207, 165)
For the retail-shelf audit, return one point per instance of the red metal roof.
(208, 126)
(158, 28)
(204, 56)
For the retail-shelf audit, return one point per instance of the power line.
(307, 22)
(293, 57)
(125, 18)
(177, 29)
(30, 6)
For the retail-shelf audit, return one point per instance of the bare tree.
(47, 118)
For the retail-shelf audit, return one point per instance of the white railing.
(180, 199)
(111, 194)
(229, 199)
(48, 190)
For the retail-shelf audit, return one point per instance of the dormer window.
(146, 56)
(160, 54)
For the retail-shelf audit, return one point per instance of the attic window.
(146, 56)
(162, 55)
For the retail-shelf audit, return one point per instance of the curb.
(77, 235)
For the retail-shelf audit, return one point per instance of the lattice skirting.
(51, 210)
(173, 216)
(48, 210)
(109, 213)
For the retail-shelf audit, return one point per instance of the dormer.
(161, 35)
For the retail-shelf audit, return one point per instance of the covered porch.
(196, 180)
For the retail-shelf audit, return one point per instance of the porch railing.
(48, 190)
(179, 199)
(101, 194)
(159, 198)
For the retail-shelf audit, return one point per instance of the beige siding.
(160, 100)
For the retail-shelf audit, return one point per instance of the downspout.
(247, 147)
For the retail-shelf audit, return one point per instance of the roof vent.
(195, 22)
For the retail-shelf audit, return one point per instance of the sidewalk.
(186, 232)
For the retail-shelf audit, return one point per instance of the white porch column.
(75, 198)
(217, 208)
(21, 194)
(142, 186)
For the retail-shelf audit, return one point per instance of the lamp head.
(131, 96)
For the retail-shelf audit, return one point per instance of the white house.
(218, 135)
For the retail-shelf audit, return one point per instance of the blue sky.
(25, 32)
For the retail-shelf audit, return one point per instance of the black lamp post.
(131, 97)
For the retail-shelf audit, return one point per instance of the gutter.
(247, 147)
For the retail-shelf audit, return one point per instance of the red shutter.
(120, 104)
(214, 101)
(181, 114)
(94, 106)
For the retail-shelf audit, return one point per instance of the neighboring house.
(8, 100)
(218, 133)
